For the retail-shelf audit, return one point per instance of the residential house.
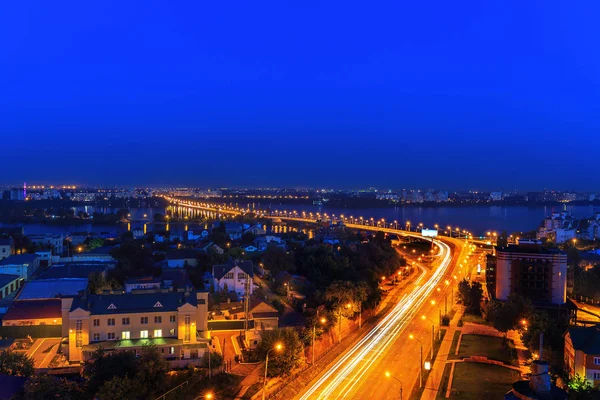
(24, 265)
(234, 230)
(235, 276)
(182, 258)
(54, 242)
(102, 253)
(560, 227)
(9, 284)
(262, 242)
(256, 230)
(143, 283)
(175, 322)
(589, 229)
(582, 353)
(137, 233)
(210, 246)
(7, 247)
(197, 234)
(45, 258)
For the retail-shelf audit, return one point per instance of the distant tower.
(24, 190)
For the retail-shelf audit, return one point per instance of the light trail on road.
(342, 377)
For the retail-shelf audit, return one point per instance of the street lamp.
(412, 337)
(322, 321)
(388, 375)
(277, 347)
(424, 318)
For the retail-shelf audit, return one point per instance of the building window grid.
(187, 334)
(78, 333)
(111, 322)
(158, 319)
(228, 275)
(125, 321)
(596, 360)
(241, 275)
(144, 320)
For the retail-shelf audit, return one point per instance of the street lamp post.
(387, 374)
(421, 361)
(322, 320)
(277, 347)
(424, 318)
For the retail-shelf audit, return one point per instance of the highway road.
(359, 373)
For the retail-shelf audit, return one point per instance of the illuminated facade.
(175, 322)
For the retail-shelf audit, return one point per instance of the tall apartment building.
(176, 322)
(530, 270)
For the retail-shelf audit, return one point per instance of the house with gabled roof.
(234, 276)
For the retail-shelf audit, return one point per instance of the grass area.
(451, 354)
(475, 319)
(491, 347)
(252, 390)
(444, 382)
(473, 381)
(417, 392)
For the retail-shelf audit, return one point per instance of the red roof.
(34, 309)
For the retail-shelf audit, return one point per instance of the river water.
(477, 219)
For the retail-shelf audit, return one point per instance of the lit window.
(78, 333)
(172, 350)
(172, 332)
(157, 333)
(144, 334)
(125, 335)
(110, 336)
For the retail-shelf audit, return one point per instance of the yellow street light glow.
(323, 320)
(387, 374)
(278, 346)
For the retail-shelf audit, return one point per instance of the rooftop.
(5, 241)
(586, 339)
(19, 259)
(53, 288)
(71, 271)
(528, 247)
(123, 303)
(34, 309)
(219, 271)
(5, 279)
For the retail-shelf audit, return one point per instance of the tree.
(151, 371)
(44, 386)
(146, 373)
(579, 384)
(103, 367)
(470, 295)
(17, 364)
(94, 243)
(501, 316)
(121, 388)
(277, 260)
(282, 362)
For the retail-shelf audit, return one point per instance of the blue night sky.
(454, 95)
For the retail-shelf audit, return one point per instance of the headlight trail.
(343, 376)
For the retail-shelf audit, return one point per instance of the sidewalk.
(437, 370)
